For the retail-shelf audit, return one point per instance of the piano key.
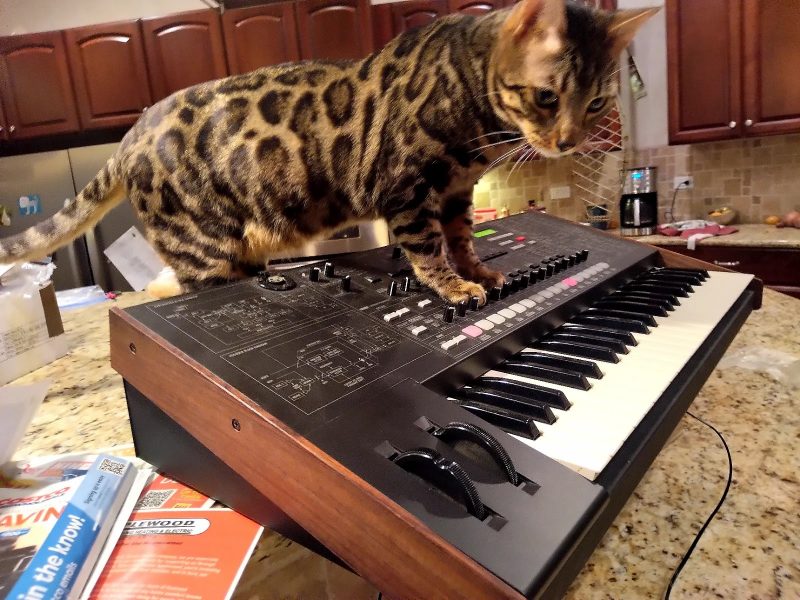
(579, 349)
(586, 367)
(701, 272)
(596, 340)
(666, 283)
(601, 419)
(642, 308)
(664, 303)
(623, 314)
(547, 373)
(533, 408)
(671, 298)
(657, 288)
(618, 323)
(510, 421)
(691, 279)
(554, 398)
(623, 336)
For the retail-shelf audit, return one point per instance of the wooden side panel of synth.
(375, 536)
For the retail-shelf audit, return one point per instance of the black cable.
(713, 512)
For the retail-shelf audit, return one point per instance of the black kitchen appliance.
(638, 206)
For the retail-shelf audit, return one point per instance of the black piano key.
(586, 367)
(618, 323)
(578, 349)
(595, 340)
(555, 398)
(658, 288)
(701, 272)
(533, 408)
(686, 287)
(668, 298)
(623, 336)
(690, 278)
(546, 373)
(622, 314)
(644, 308)
(509, 421)
(688, 284)
(639, 297)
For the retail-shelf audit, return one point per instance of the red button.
(520, 238)
(571, 282)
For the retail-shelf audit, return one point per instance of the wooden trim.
(351, 518)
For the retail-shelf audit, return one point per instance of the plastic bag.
(781, 366)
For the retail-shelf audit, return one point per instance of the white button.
(507, 313)
(423, 303)
(496, 319)
(518, 308)
(419, 329)
(484, 324)
(538, 298)
(603, 265)
(402, 311)
(547, 293)
(390, 316)
(528, 303)
(453, 342)
(579, 277)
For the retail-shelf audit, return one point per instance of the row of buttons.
(388, 317)
(500, 317)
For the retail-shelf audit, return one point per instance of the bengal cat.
(226, 173)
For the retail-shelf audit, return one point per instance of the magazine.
(179, 553)
(56, 515)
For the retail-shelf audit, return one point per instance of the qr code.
(154, 499)
(112, 466)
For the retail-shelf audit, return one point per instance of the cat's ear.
(545, 16)
(624, 25)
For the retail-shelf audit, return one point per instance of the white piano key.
(591, 432)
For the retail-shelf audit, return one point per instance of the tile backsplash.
(756, 176)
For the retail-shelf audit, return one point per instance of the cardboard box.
(31, 331)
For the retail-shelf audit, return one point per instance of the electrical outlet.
(560, 192)
(679, 180)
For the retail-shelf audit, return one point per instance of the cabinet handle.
(144, 108)
(11, 129)
(732, 264)
(748, 123)
(732, 124)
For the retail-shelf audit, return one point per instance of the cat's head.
(555, 72)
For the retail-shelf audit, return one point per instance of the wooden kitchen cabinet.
(778, 268)
(735, 78)
(259, 36)
(3, 125)
(334, 29)
(416, 13)
(183, 50)
(475, 7)
(771, 84)
(35, 86)
(109, 74)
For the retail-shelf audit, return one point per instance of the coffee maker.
(638, 206)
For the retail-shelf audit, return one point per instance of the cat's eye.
(545, 98)
(596, 104)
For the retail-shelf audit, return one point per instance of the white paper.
(135, 258)
(18, 404)
(5, 269)
(23, 325)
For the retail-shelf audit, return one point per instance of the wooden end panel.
(375, 536)
(681, 261)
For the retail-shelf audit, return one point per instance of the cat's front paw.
(461, 290)
(487, 277)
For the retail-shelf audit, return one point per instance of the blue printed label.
(29, 205)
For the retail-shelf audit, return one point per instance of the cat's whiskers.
(522, 158)
(503, 132)
(501, 158)
(511, 141)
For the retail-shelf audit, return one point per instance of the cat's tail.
(101, 194)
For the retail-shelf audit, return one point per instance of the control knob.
(392, 289)
(313, 275)
(461, 308)
(346, 283)
(328, 269)
(449, 314)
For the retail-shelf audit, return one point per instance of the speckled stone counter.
(749, 235)
(751, 549)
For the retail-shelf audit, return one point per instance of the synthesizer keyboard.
(439, 451)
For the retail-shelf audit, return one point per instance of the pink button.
(472, 330)
(570, 282)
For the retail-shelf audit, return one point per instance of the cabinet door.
(109, 74)
(771, 57)
(35, 85)
(474, 7)
(334, 29)
(703, 63)
(259, 36)
(183, 50)
(416, 13)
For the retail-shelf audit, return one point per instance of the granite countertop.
(750, 550)
(749, 235)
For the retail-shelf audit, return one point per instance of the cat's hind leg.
(420, 235)
(456, 219)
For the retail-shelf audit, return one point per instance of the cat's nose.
(564, 145)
